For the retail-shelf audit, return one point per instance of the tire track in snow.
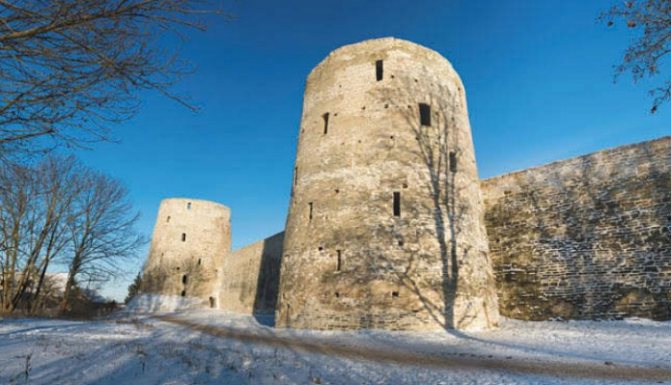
(580, 369)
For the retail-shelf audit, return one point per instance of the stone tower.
(191, 238)
(385, 227)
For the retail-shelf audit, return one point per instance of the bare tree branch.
(71, 68)
(645, 56)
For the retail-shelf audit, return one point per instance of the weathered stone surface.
(585, 238)
(250, 277)
(349, 262)
(191, 238)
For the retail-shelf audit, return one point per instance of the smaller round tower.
(191, 238)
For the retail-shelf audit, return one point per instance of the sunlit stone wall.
(585, 238)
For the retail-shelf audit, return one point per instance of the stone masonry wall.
(584, 238)
(250, 277)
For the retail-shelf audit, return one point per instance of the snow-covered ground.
(211, 347)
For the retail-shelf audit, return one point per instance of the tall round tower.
(385, 227)
(191, 238)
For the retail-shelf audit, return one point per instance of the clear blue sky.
(538, 77)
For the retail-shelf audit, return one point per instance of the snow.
(189, 345)
(148, 303)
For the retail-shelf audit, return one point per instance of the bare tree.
(34, 206)
(15, 200)
(102, 233)
(60, 213)
(645, 56)
(69, 68)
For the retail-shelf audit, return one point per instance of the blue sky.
(538, 77)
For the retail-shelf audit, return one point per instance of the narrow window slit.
(326, 123)
(168, 219)
(188, 206)
(453, 161)
(183, 237)
(397, 203)
(183, 293)
(295, 175)
(212, 303)
(310, 214)
(379, 70)
(339, 260)
(424, 114)
(185, 279)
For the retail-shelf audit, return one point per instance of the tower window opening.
(295, 175)
(310, 214)
(212, 303)
(183, 237)
(188, 206)
(199, 261)
(339, 260)
(397, 203)
(379, 70)
(453, 161)
(183, 293)
(168, 219)
(185, 279)
(326, 123)
(424, 114)
(337, 294)
(394, 294)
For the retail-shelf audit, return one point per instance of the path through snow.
(212, 347)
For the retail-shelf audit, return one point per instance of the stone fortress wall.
(250, 277)
(384, 227)
(584, 238)
(386, 224)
